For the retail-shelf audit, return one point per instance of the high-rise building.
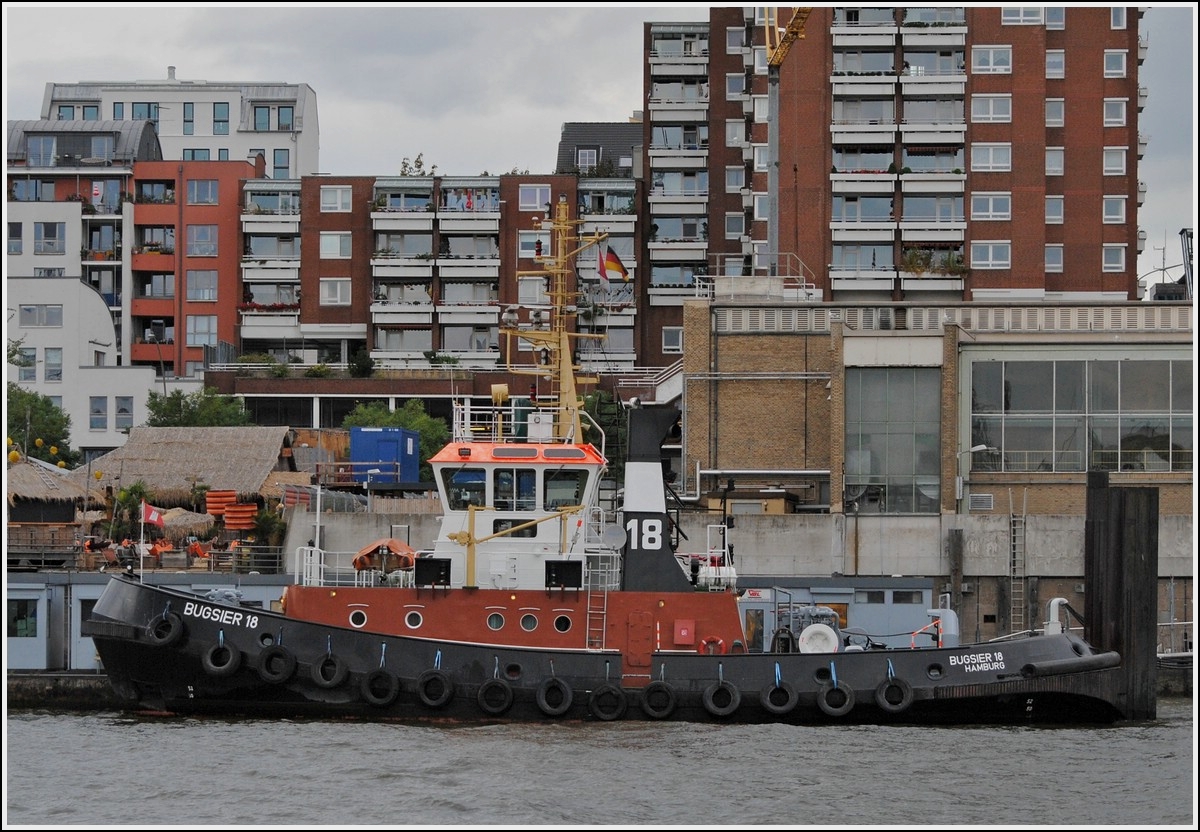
(204, 121)
(945, 153)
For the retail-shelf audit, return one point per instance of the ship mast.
(549, 333)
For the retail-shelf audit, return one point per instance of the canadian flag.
(152, 515)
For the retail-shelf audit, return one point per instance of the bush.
(318, 371)
(361, 365)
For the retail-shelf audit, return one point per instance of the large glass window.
(53, 364)
(27, 368)
(335, 291)
(201, 330)
(98, 412)
(124, 412)
(335, 245)
(221, 118)
(991, 60)
(1076, 415)
(893, 440)
(533, 197)
(202, 240)
(991, 254)
(201, 285)
(335, 198)
(40, 314)
(991, 157)
(49, 238)
(202, 192)
(281, 166)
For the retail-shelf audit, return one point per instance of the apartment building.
(199, 121)
(943, 153)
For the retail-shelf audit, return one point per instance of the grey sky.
(486, 88)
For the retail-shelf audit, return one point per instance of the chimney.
(170, 73)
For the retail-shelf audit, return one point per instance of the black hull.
(213, 658)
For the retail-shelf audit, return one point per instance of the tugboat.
(537, 603)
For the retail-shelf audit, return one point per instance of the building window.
(41, 271)
(735, 179)
(335, 198)
(997, 206)
(1114, 258)
(285, 119)
(91, 112)
(1056, 112)
(22, 618)
(66, 112)
(735, 84)
(14, 238)
(735, 132)
(1114, 210)
(49, 238)
(672, 340)
(1054, 257)
(118, 111)
(893, 440)
(1114, 63)
(223, 154)
(1112, 413)
(762, 207)
(997, 108)
(39, 151)
(1117, 17)
(201, 330)
(124, 412)
(282, 166)
(735, 225)
(1055, 161)
(585, 159)
(201, 284)
(1056, 17)
(31, 190)
(1056, 63)
(52, 364)
(991, 255)
(533, 197)
(98, 412)
(991, 157)
(202, 241)
(762, 161)
(202, 192)
(1114, 161)
(991, 60)
(262, 118)
(1054, 210)
(335, 245)
(40, 314)
(189, 118)
(1114, 112)
(335, 291)
(735, 40)
(146, 110)
(1021, 16)
(196, 154)
(527, 244)
(220, 118)
(27, 364)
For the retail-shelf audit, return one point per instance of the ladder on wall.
(1016, 568)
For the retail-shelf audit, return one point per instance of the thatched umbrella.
(179, 522)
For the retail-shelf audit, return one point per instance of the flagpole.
(142, 544)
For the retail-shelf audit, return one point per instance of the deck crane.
(779, 43)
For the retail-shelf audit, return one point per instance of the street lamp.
(958, 480)
(162, 371)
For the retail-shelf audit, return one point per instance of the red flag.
(152, 515)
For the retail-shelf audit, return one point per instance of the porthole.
(495, 621)
(512, 672)
(358, 619)
(266, 640)
(934, 671)
(822, 675)
(413, 620)
(529, 622)
(562, 623)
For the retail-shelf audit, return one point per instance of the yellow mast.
(549, 334)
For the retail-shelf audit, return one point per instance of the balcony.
(476, 314)
(396, 220)
(271, 320)
(256, 220)
(863, 131)
(402, 312)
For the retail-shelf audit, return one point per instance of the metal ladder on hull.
(1016, 537)
(602, 576)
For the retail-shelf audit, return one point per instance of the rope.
(778, 675)
(382, 653)
(833, 674)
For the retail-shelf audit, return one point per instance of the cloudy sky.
(486, 88)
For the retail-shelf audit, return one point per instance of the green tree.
(416, 167)
(362, 365)
(204, 409)
(32, 416)
(433, 431)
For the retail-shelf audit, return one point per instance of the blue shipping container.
(396, 452)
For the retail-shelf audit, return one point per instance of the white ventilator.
(818, 638)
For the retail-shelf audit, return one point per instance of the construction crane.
(779, 43)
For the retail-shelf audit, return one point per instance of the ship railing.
(935, 624)
(520, 421)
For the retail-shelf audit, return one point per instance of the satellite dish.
(818, 638)
(614, 536)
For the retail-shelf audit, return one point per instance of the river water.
(109, 769)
